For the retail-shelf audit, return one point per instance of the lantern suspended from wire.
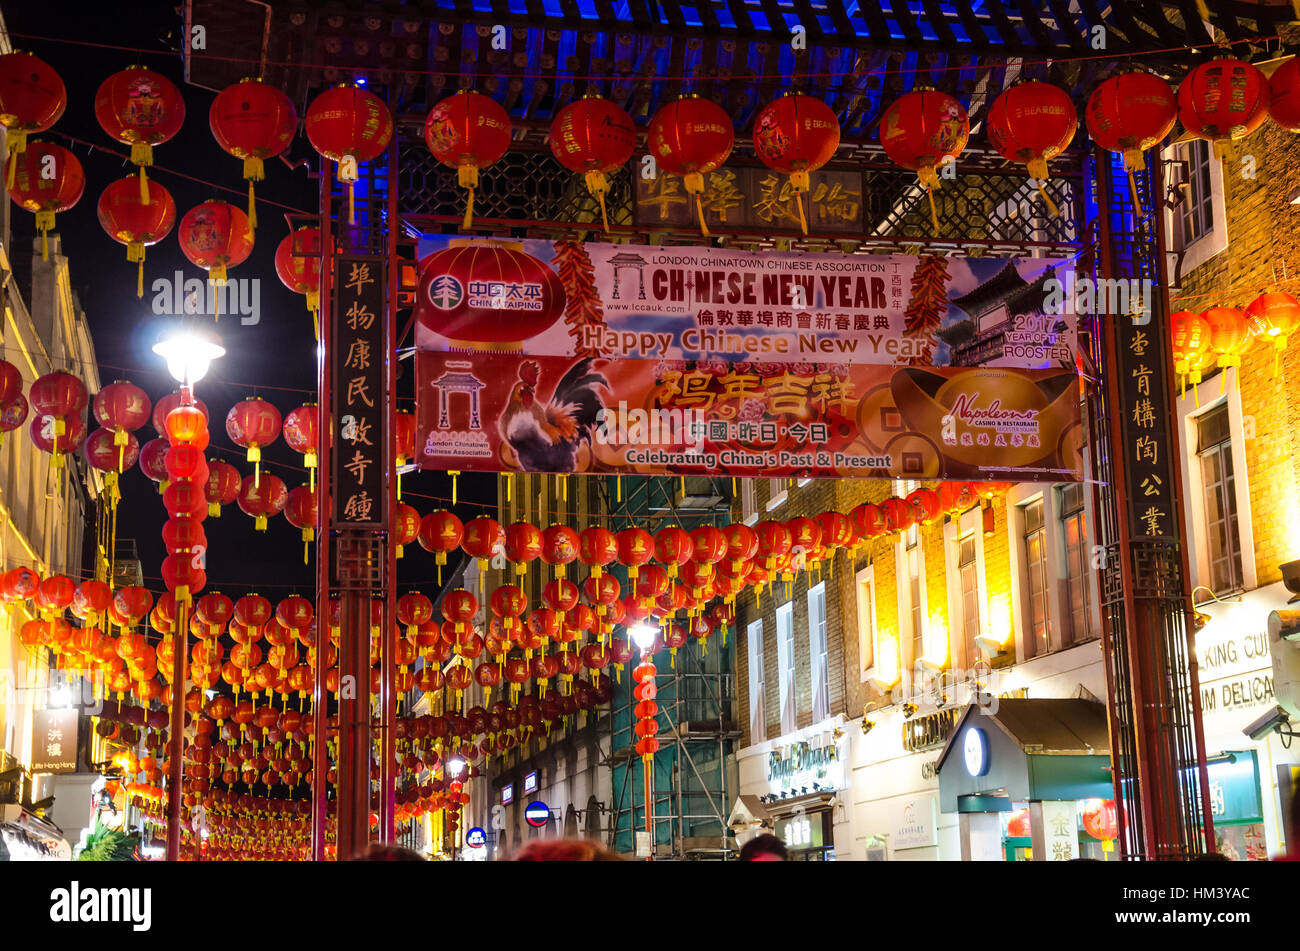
(468, 132)
(300, 511)
(1129, 114)
(594, 137)
(253, 121)
(796, 135)
(350, 126)
(1274, 316)
(251, 425)
(215, 236)
(299, 431)
(143, 109)
(32, 98)
(1223, 100)
(1032, 122)
(297, 262)
(691, 137)
(46, 179)
(134, 223)
(923, 130)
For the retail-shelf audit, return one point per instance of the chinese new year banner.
(563, 357)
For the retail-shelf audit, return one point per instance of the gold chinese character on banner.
(1146, 449)
(358, 391)
(1152, 517)
(789, 394)
(664, 192)
(722, 194)
(776, 201)
(358, 277)
(357, 465)
(360, 317)
(1151, 484)
(836, 202)
(358, 357)
(694, 391)
(1143, 376)
(1138, 343)
(357, 507)
(1144, 414)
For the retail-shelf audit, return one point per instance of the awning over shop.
(1021, 750)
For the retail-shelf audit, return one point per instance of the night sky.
(274, 359)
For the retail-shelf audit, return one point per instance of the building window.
(912, 550)
(968, 570)
(1195, 214)
(749, 500)
(757, 690)
(1197, 225)
(821, 687)
(777, 490)
(1035, 542)
(1074, 534)
(867, 652)
(785, 665)
(1214, 452)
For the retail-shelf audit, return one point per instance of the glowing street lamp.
(643, 635)
(189, 351)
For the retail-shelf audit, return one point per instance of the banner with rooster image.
(545, 298)
(506, 412)
(538, 356)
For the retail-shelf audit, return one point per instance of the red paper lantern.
(1130, 113)
(32, 97)
(299, 428)
(925, 506)
(162, 409)
(406, 527)
(673, 547)
(898, 515)
(121, 407)
(636, 547)
(1284, 95)
(143, 109)
(796, 135)
(468, 131)
(262, 498)
(11, 380)
(691, 137)
(1101, 818)
(594, 137)
(805, 536)
(1274, 316)
(602, 591)
(708, 545)
(560, 595)
(300, 511)
(1018, 825)
(186, 425)
(253, 121)
(922, 130)
(252, 424)
(135, 223)
(742, 542)
(1189, 337)
(403, 438)
(297, 262)
(559, 547)
(1223, 99)
(215, 236)
(1229, 335)
(440, 533)
(105, 453)
(509, 601)
(348, 125)
(837, 530)
(185, 464)
(1032, 122)
(528, 296)
(12, 415)
(182, 577)
(45, 178)
(597, 548)
(221, 487)
(483, 538)
(773, 541)
(459, 606)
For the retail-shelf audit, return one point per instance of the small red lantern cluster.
(183, 569)
(1219, 337)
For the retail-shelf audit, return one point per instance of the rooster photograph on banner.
(549, 434)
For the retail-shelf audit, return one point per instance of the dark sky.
(274, 359)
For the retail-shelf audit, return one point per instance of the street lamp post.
(189, 351)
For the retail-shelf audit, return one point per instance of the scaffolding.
(693, 774)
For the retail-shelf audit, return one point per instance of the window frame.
(778, 490)
(1025, 534)
(1070, 635)
(786, 672)
(868, 631)
(819, 654)
(1207, 245)
(757, 681)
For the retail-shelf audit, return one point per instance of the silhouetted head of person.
(566, 850)
(764, 848)
(387, 853)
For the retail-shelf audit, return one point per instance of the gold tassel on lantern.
(468, 177)
(44, 222)
(142, 155)
(929, 178)
(135, 255)
(454, 473)
(695, 186)
(17, 143)
(800, 182)
(1038, 172)
(598, 185)
(254, 171)
(1133, 161)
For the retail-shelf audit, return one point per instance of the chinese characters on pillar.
(1146, 442)
(358, 368)
(54, 741)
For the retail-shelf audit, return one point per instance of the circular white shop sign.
(976, 751)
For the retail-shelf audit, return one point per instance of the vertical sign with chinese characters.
(358, 366)
(1146, 443)
(54, 741)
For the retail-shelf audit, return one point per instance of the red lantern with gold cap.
(796, 135)
(215, 236)
(1222, 100)
(636, 547)
(691, 137)
(673, 548)
(1129, 113)
(468, 132)
(143, 109)
(300, 512)
(441, 533)
(559, 547)
(594, 137)
(123, 408)
(253, 121)
(922, 130)
(1189, 338)
(252, 424)
(1032, 122)
(46, 179)
(1284, 95)
(406, 527)
(1229, 335)
(348, 125)
(262, 498)
(221, 487)
(597, 548)
(132, 222)
(299, 429)
(297, 262)
(32, 97)
(1274, 316)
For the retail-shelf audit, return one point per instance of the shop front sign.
(802, 764)
(915, 827)
(1235, 663)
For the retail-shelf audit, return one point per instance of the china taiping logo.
(445, 292)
